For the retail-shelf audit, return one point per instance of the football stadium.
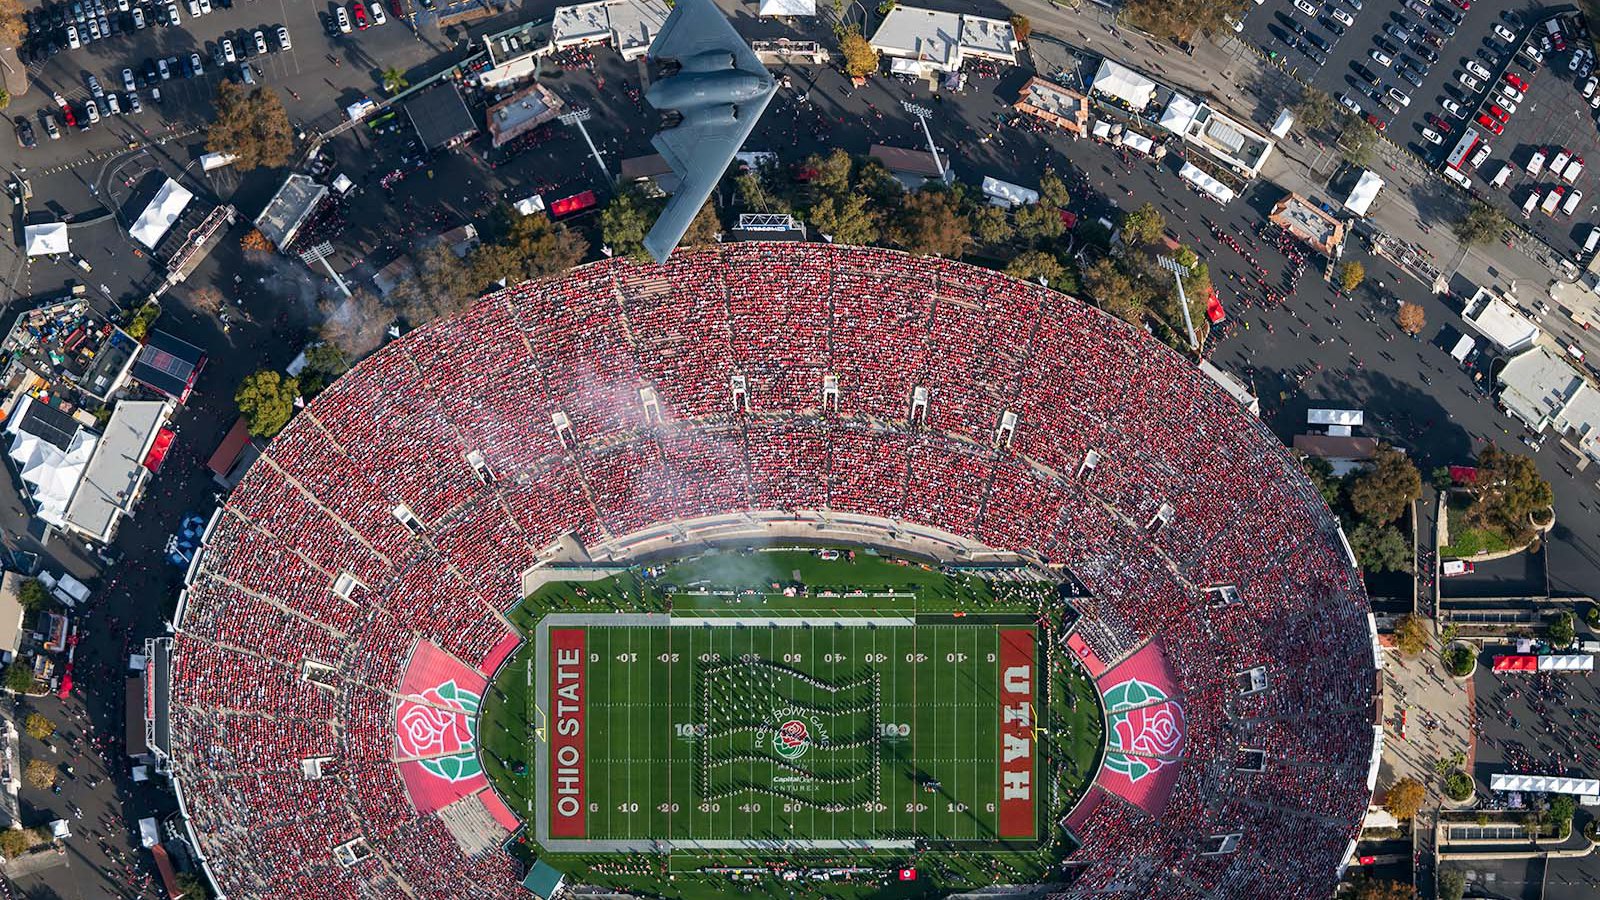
(775, 563)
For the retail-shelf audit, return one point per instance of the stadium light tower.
(577, 117)
(922, 113)
(320, 254)
(1179, 270)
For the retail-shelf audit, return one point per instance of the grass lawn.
(1467, 541)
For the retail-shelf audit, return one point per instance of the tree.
(751, 187)
(1356, 141)
(252, 126)
(1411, 317)
(848, 219)
(1351, 274)
(1115, 290)
(40, 774)
(19, 678)
(1382, 493)
(1405, 798)
(394, 80)
(266, 400)
(991, 226)
(1509, 491)
(1452, 883)
(1144, 226)
(324, 363)
(1562, 631)
(12, 27)
(1562, 808)
(860, 59)
(1458, 784)
(255, 240)
(1411, 635)
(1021, 27)
(32, 595)
(38, 727)
(930, 223)
(832, 172)
(1035, 264)
(1482, 223)
(355, 325)
(1182, 20)
(704, 229)
(443, 286)
(1320, 471)
(624, 223)
(1383, 890)
(5, 98)
(1315, 109)
(192, 886)
(1380, 548)
(16, 841)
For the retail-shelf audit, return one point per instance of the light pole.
(922, 113)
(1179, 270)
(320, 254)
(578, 117)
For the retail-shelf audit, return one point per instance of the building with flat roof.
(1506, 327)
(912, 167)
(122, 464)
(522, 112)
(1229, 141)
(628, 25)
(1310, 223)
(1054, 103)
(936, 41)
(294, 202)
(440, 117)
(168, 365)
(1537, 386)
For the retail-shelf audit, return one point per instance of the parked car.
(227, 51)
(1492, 125)
(90, 111)
(1468, 82)
(1452, 567)
(359, 11)
(283, 38)
(127, 80)
(261, 41)
(1504, 33)
(50, 126)
(1477, 69)
(1381, 58)
(138, 17)
(1453, 108)
(25, 136)
(379, 17)
(1431, 136)
(343, 18)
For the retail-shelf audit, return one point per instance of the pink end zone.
(1085, 655)
(431, 667)
(1149, 793)
(499, 653)
(429, 792)
(498, 810)
(1149, 665)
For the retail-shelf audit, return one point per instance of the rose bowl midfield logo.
(792, 741)
(1144, 729)
(426, 727)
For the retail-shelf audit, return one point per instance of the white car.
(1570, 206)
(343, 18)
(94, 87)
(172, 14)
(1510, 93)
(1476, 69)
(205, 7)
(379, 16)
(122, 5)
(1452, 107)
(1504, 33)
(1380, 57)
(138, 17)
(1534, 53)
(1342, 17)
(112, 106)
(1589, 86)
(194, 9)
(227, 50)
(127, 80)
(1398, 97)
(1508, 106)
(72, 37)
(134, 106)
(261, 42)
(283, 38)
(1347, 103)
(1431, 136)
(1306, 8)
(92, 111)
(164, 68)
(1468, 82)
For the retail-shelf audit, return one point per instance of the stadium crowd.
(618, 396)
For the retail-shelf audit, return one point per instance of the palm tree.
(394, 80)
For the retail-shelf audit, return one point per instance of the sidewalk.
(16, 74)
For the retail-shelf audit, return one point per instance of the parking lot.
(316, 74)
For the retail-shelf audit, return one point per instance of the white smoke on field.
(289, 280)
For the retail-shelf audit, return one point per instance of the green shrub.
(1458, 659)
(1458, 786)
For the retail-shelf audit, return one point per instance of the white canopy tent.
(1365, 191)
(1004, 193)
(46, 239)
(1179, 114)
(163, 211)
(788, 7)
(1139, 142)
(1543, 784)
(1213, 188)
(1119, 81)
(1578, 662)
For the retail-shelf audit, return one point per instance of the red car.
(1490, 124)
(1464, 4)
(398, 7)
(1438, 122)
(66, 113)
(1516, 82)
(1498, 113)
(360, 10)
(1376, 122)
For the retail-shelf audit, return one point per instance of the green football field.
(786, 731)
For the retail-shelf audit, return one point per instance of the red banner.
(1017, 673)
(568, 801)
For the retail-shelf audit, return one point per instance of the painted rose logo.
(1149, 730)
(792, 740)
(426, 726)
